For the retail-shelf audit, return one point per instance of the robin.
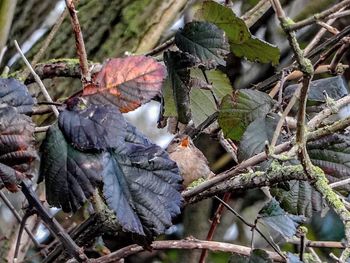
(191, 161)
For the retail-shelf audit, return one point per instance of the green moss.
(287, 22)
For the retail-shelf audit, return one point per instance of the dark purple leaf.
(93, 127)
(142, 188)
(70, 175)
(17, 150)
(14, 93)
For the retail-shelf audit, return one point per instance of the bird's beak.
(185, 142)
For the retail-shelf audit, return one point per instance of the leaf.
(17, 151)
(237, 112)
(142, 188)
(335, 87)
(256, 256)
(168, 97)
(222, 16)
(178, 65)
(70, 175)
(276, 218)
(205, 41)
(258, 132)
(257, 50)
(242, 43)
(93, 127)
(127, 82)
(202, 101)
(14, 93)
(332, 154)
(300, 198)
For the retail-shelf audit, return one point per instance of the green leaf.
(257, 133)
(205, 41)
(70, 175)
(256, 256)
(201, 100)
(237, 112)
(242, 43)
(298, 198)
(178, 65)
(276, 218)
(168, 97)
(222, 16)
(257, 50)
(332, 154)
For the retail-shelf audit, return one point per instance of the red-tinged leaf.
(17, 150)
(127, 82)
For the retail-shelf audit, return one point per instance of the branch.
(52, 223)
(182, 244)
(254, 14)
(37, 79)
(47, 42)
(323, 15)
(254, 227)
(18, 217)
(256, 159)
(79, 42)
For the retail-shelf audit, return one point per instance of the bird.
(192, 163)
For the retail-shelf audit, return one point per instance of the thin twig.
(46, 43)
(323, 15)
(37, 79)
(340, 183)
(339, 54)
(79, 42)
(254, 14)
(161, 47)
(72, 248)
(329, 28)
(20, 232)
(254, 227)
(214, 224)
(18, 217)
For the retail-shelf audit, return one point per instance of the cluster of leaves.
(196, 85)
(93, 146)
(196, 88)
(93, 149)
(17, 151)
